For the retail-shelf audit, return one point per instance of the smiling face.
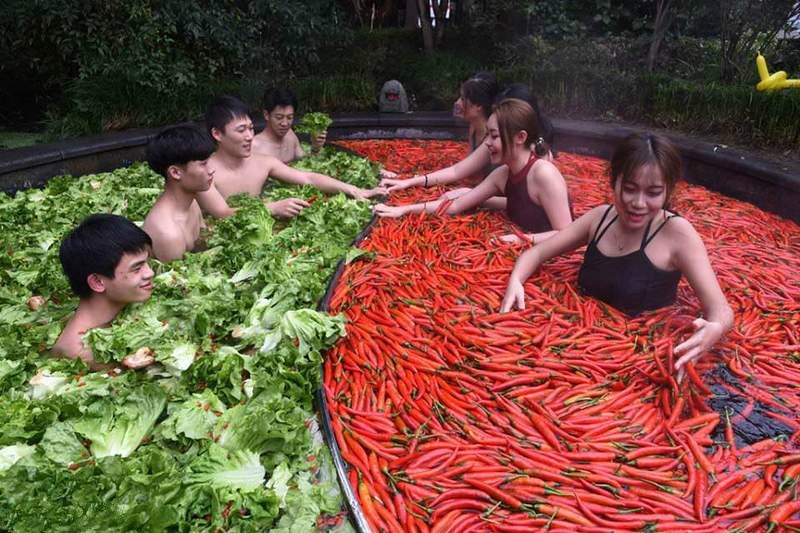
(280, 120)
(132, 281)
(639, 199)
(236, 139)
(493, 140)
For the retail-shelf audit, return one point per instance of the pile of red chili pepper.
(564, 416)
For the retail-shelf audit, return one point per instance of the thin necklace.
(616, 241)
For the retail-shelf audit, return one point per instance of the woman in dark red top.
(637, 249)
(537, 199)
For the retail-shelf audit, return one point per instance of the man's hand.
(388, 173)
(706, 334)
(318, 141)
(288, 208)
(139, 359)
(515, 296)
(390, 211)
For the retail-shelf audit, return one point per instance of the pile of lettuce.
(216, 435)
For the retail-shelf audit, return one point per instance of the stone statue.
(393, 98)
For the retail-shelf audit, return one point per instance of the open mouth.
(636, 217)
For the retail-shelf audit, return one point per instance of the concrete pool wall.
(772, 186)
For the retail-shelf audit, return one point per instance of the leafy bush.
(573, 79)
(738, 110)
(336, 93)
(115, 64)
(435, 78)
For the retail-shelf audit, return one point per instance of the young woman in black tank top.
(637, 250)
(537, 196)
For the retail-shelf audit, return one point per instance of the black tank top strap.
(646, 240)
(599, 234)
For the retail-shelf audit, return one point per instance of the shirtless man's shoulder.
(286, 151)
(172, 232)
(70, 343)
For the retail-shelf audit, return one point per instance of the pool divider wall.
(771, 186)
(351, 499)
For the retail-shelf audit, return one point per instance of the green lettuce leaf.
(117, 426)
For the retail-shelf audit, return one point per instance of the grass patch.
(18, 139)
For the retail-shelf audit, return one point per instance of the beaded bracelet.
(426, 181)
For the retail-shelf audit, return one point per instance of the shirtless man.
(180, 154)
(238, 170)
(278, 138)
(105, 260)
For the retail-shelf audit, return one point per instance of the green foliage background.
(84, 66)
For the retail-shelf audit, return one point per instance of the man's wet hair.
(178, 145)
(96, 246)
(278, 96)
(223, 110)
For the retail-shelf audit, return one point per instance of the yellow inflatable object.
(771, 83)
(775, 81)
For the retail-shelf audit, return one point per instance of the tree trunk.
(464, 11)
(439, 10)
(411, 15)
(425, 21)
(660, 27)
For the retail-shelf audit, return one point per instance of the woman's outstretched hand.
(393, 184)
(515, 296)
(363, 194)
(515, 238)
(390, 211)
(705, 336)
